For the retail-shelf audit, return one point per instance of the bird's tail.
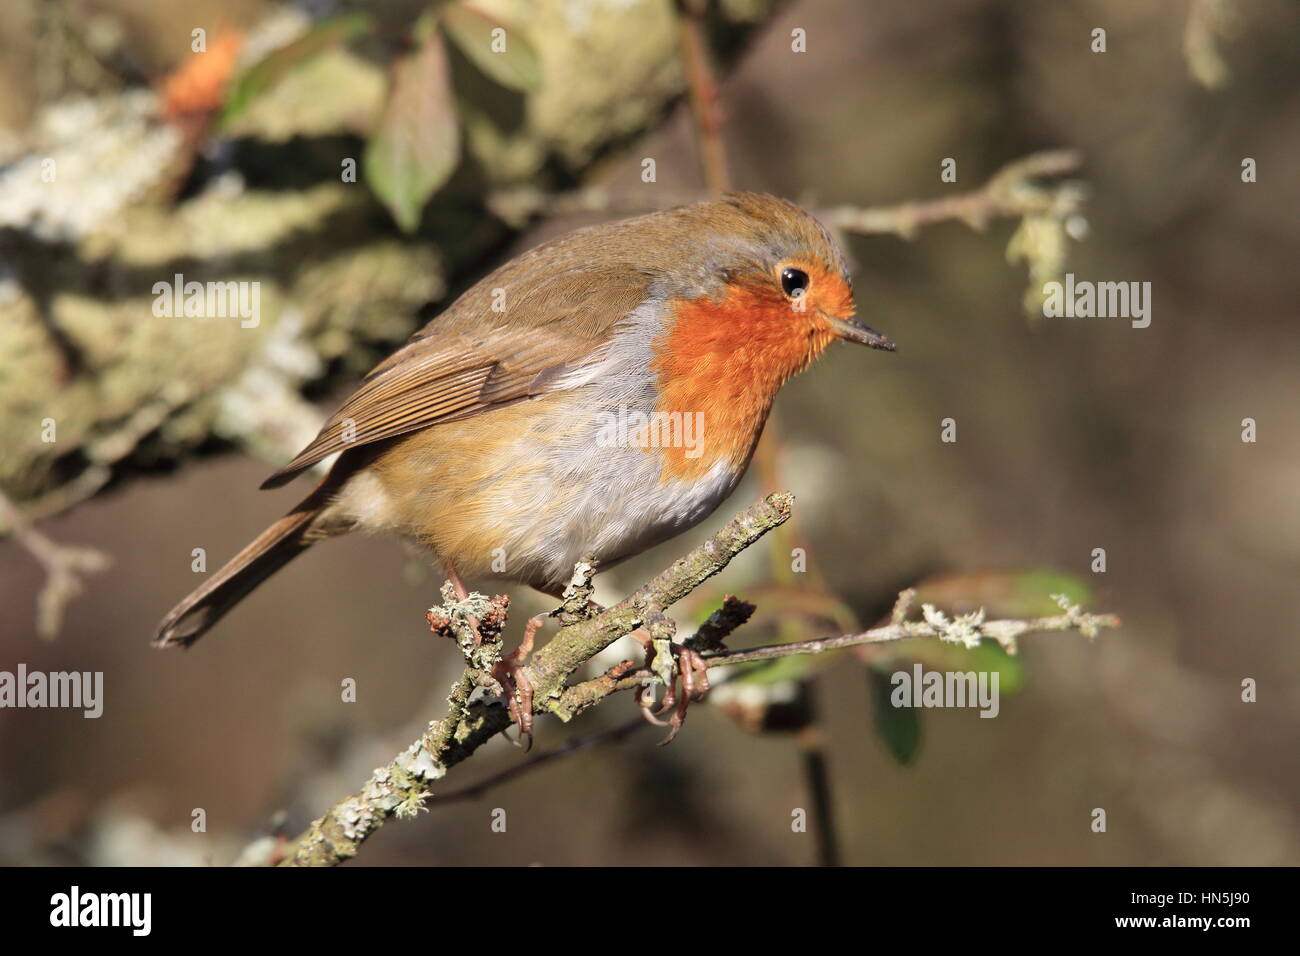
(267, 553)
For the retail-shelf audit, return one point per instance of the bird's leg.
(457, 584)
(684, 665)
(462, 593)
(510, 672)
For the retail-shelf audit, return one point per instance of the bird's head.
(788, 265)
(755, 290)
(762, 286)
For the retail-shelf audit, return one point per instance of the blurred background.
(1072, 434)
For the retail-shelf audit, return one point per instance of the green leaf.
(507, 57)
(1034, 588)
(272, 68)
(898, 727)
(777, 669)
(416, 145)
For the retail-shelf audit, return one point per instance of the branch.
(966, 629)
(400, 788)
(1011, 192)
(706, 106)
(1050, 214)
(574, 645)
(64, 564)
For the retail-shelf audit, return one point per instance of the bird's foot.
(685, 677)
(510, 672)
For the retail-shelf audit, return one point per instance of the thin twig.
(967, 629)
(1010, 192)
(998, 630)
(706, 105)
(812, 748)
(64, 565)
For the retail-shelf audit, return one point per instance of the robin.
(595, 396)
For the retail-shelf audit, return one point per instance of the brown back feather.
(470, 359)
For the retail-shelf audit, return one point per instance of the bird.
(589, 399)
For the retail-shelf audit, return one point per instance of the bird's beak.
(851, 330)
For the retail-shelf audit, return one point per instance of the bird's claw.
(518, 690)
(518, 687)
(675, 665)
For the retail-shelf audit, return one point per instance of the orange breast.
(725, 360)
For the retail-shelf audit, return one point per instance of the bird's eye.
(794, 282)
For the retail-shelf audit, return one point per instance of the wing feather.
(471, 359)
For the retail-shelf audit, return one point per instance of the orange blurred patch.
(198, 87)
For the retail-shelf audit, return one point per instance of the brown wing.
(472, 358)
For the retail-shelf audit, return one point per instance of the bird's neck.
(724, 360)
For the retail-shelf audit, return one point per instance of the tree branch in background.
(1050, 215)
(816, 769)
(1011, 192)
(706, 104)
(63, 563)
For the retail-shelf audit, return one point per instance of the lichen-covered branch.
(576, 644)
(400, 788)
(403, 786)
(967, 629)
(1009, 193)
